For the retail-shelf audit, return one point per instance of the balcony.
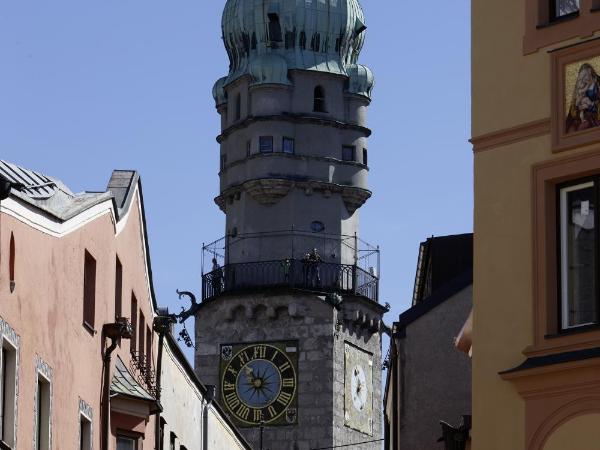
(141, 366)
(290, 273)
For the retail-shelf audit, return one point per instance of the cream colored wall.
(508, 90)
(580, 433)
(220, 436)
(182, 402)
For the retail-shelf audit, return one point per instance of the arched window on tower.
(319, 100)
(274, 28)
(11, 262)
(302, 42)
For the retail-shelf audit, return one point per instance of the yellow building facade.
(536, 139)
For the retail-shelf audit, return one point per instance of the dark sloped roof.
(441, 259)
(35, 184)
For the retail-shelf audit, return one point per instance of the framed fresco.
(576, 96)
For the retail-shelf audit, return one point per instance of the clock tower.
(289, 327)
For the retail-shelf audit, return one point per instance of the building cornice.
(292, 118)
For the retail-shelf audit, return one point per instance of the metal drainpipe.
(106, 393)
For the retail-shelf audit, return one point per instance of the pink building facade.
(70, 266)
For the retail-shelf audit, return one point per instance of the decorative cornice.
(511, 135)
(292, 118)
(294, 156)
(268, 191)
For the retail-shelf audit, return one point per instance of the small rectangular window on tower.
(266, 144)
(348, 153)
(365, 157)
(288, 145)
(223, 161)
(248, 148)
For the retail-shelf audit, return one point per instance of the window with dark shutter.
(133, 341)
(118, 289)
(89, 291)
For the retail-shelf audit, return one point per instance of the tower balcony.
(313, 271)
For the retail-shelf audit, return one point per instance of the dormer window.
(319, 100)
(563, 8)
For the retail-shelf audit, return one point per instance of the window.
(89, 291)
(8, 374)
(133, 341)
(248, 148)
(578, 254)
(288, 145)
(223, 161)
(118, 289)
(148, 347)
(11, 262)
(563, 8)
(172, 440)
(302, 42)
(274, 28)
(319, 100)
(126, 443)
(348, 153)
(266, 144)
(238, 107)
(42, 413)
(141, 330)
(365, 157)
(161, 437)
(85, 433)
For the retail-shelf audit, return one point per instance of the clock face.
(259, 382)
(359, 388)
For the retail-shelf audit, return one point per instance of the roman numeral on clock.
(228, 387)
(243, 412)
(232, 401)
(260, 352)
(288, 383)
(258, 415)
(284, 398)
(272, 411)
(285, 366)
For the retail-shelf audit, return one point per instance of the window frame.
(353, 151)
(288, 139)
(319, 99)
(260, 144)
(134, 324)
(43, 412)
(118, 288)
(562, 301)
(553, 17)
(85, 424)
(135, 438)
(8, 422)
(90, 274)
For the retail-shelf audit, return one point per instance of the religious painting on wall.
(582, 89)
(576, 96)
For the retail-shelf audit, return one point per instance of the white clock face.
(359, 388)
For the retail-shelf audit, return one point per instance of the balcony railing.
(290, 273)
(142, 368)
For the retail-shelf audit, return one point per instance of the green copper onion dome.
(320, 35)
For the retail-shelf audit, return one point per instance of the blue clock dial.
(259, 383)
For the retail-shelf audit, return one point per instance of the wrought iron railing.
(145, 375)
(292, 273)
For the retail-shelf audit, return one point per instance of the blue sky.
(88, 87)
